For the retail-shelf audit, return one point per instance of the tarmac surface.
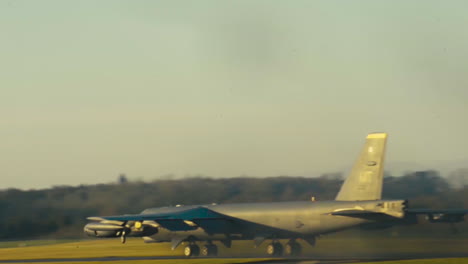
(301, 260)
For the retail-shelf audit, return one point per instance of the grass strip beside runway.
(29, 243)
(337, 248)
(425, 261)
(89, 249)
(168, 261)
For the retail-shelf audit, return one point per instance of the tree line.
(61, 211)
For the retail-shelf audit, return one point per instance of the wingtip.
(95, 218)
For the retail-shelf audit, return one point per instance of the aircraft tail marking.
(366, 178)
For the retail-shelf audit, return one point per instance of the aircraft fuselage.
(273, 220)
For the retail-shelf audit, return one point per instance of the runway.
(261, 259)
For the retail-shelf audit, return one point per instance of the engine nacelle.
(103, 230)
(102, 233)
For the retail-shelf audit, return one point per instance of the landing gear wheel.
(209, 250)
(191, 251)
(293, 249)
(275, 249)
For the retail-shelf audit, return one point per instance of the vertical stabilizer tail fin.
(366, 178)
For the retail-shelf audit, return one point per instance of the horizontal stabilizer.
(353, 212)
(366, 214)
(394, 208)
(432, 211)
(441, 216)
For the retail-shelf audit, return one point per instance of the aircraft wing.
(185, 214)
(180, 220)
(441, 216)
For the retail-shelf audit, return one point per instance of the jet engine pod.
(103, 230)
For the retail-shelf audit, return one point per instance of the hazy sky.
(91, 89)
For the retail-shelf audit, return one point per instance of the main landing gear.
(291, 249)
(191, 250)
(208, 250)
(275, 249)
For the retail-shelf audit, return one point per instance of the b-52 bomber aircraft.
(357, 204)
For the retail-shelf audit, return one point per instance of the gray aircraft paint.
(286, 219)
(358, 203)
(366, 177)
